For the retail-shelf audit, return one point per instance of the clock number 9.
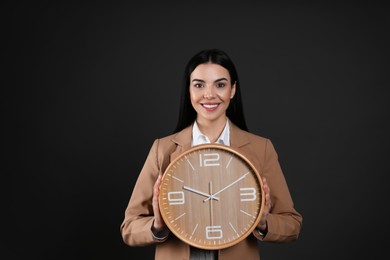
(209, 159)
(216, 230)
(176, 197)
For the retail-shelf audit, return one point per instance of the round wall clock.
(211, 196)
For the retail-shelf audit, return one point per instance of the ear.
(233, 90)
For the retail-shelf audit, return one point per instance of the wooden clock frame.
(211, 196)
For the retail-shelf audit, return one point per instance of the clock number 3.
(214, 232)
(209, 159)
(248, 194)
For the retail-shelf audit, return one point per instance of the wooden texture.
(211, 197)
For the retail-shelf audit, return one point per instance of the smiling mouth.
(210, 107)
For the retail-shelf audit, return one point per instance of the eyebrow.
(217, 80)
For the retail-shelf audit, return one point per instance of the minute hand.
(234, 182)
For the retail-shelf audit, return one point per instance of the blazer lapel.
(238, 137)
(241, 141)
(183, 141)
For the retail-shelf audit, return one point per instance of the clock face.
(211, 197)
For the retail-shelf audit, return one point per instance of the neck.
(212, 129)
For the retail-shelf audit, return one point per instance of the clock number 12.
(209, 159)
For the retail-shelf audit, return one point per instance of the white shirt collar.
(199, 138)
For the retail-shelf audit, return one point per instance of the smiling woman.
(211, 112)
(210, 91)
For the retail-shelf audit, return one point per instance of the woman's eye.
(198, 85)
(221, 85)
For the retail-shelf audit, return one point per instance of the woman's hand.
(158, 223)
(262, 226)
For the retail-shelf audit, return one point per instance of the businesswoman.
(211, 112)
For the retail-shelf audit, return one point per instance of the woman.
(211, 112)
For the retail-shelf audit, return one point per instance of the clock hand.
(200, 193)
(234, 182)
(211, 204)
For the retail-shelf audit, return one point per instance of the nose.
(209, 93)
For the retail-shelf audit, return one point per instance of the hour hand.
(200, 193)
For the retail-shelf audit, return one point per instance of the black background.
(88, 87)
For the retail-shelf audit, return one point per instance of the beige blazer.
(284, 222)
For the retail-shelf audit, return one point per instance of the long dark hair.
(187, 114)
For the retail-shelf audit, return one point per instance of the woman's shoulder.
(252, 137)
(257, 137)
(264, 140)
(167, 143)
(166, 140)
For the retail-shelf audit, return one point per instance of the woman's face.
(211, 90)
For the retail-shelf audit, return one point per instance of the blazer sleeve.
(138, 219)
(284, 222)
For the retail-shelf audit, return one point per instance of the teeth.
(210, 106)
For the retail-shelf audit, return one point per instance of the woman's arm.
(283, 223)
(136, 228)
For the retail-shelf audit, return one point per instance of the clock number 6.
(214, 232)
(209, 159)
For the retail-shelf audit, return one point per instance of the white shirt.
(199, 138)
